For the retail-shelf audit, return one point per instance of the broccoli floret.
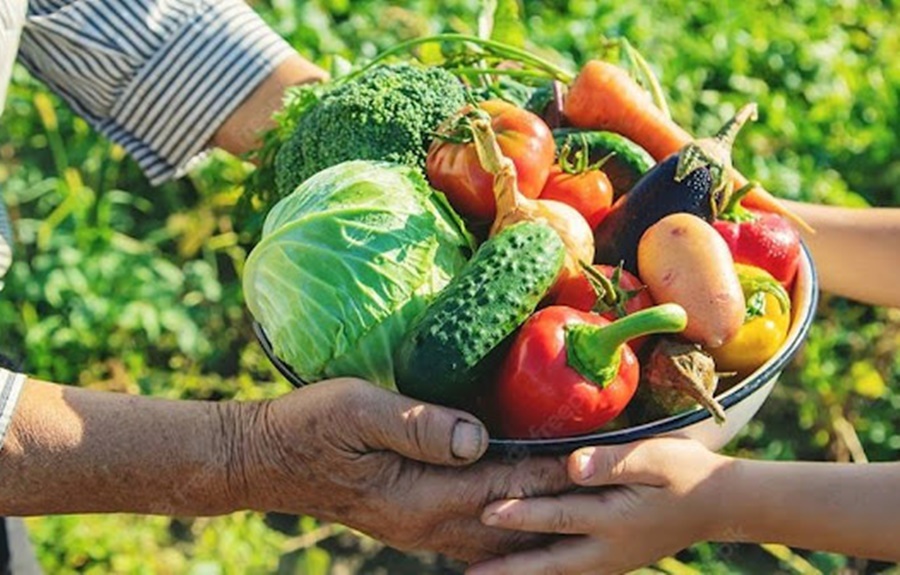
(388, 113)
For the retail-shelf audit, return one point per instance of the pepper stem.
(734, 211)
(752, 285)
(595, 351)
(715, 155)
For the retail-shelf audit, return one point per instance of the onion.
(514, 207)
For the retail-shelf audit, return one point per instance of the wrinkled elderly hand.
(389, 466)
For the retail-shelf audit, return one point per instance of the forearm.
(241, 131)
(855, 250)
(843, 508)
(198, 73)
(73, 450)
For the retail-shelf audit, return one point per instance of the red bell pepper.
(762, 239)
(569, 372)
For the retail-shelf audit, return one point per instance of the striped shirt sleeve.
(6, 242)
(156, 76)
(10, 386)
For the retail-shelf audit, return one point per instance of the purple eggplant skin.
(653, 197)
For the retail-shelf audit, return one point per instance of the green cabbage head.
(346, 263)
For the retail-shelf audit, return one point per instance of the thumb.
(645, 462)
(422, 431)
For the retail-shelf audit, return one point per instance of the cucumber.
(446, 353)
(624, 169)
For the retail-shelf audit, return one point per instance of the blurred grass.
(120, 286)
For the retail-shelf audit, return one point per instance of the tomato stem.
(595, 352)
(575, 160)
(610, 296)
(604, 288)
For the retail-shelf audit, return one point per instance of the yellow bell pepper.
(765, 325)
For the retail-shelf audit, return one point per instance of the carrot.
(604, 97)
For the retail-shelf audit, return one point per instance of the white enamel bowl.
(741, 402)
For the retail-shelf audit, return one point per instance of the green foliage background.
(119, 286)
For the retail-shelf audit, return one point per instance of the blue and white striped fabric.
(6, 242)
(156, 76)
(10, 387)
(12, 15)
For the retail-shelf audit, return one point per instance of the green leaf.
(316, 561)
(867, 381)
(501, 20)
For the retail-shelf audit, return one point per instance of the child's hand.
(664, 495)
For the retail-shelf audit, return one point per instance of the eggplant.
(696, 180)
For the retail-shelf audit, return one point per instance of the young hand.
(647, 500)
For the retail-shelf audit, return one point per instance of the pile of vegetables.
(560, 264)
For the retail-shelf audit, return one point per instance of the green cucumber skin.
(624, 169)
(442, 359)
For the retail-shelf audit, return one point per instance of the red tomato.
(631, 295)
(454, 169)
(590, 192)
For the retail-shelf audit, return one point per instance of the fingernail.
(468, 440)
(493, 513)
(584, 464)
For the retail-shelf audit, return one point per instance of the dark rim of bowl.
(562, 445)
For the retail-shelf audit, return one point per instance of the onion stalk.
(513, 206)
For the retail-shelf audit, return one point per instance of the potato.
(682, 259)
